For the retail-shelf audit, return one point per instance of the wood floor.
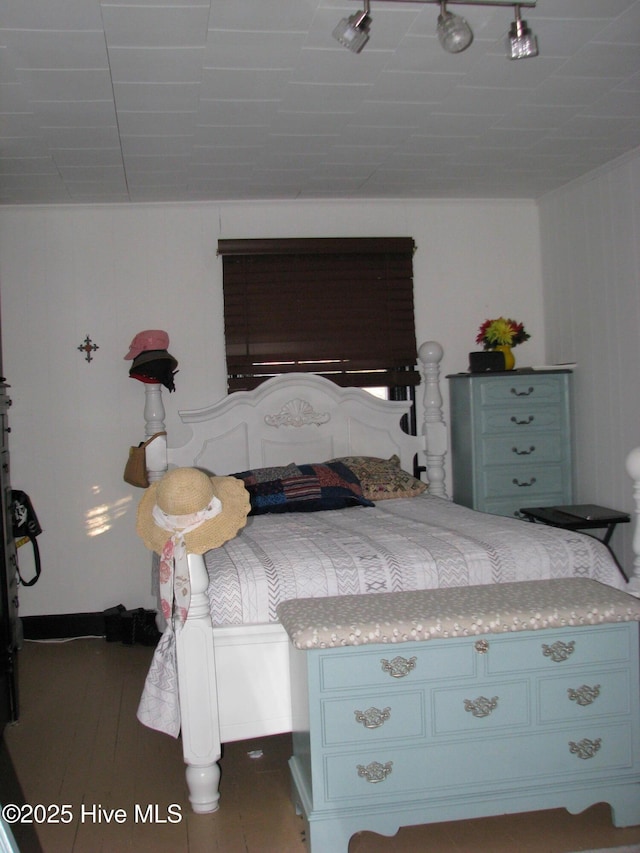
(78, 744)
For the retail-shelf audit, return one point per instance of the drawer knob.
(481, 707)
(523, 452)
(559, 651)
(375, 772)
(526, 393)
(482, 646)
(585, 748)
(399, 666)
(584, 695)
(373, 718)
(526, 422)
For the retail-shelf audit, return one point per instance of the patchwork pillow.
(302, 488)
(382, 479)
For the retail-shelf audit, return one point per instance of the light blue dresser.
(511, 440)
(418, 707)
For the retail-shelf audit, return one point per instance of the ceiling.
(194, 100)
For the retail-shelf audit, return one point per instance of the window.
(341, 307)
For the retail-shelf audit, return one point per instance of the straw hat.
(185, 491)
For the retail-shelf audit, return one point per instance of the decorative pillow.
(302, 488)
(382, 479)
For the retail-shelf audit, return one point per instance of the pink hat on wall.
(150, 339)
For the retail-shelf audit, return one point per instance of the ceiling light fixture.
(454, 33)
(353, 32)
(521, 43)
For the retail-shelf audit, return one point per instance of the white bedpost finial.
(154, 414)
(434, 428)
(633, 470)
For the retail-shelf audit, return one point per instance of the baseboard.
(63, 625)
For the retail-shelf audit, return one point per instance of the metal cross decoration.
(87, 347)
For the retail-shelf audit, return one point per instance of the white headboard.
(302, 418)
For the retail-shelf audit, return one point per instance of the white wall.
(590, 239)
(108, 272)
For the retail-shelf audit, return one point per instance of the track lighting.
(454, 33)
(521, 43)
(353, 32)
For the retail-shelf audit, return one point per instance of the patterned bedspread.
(423, 542)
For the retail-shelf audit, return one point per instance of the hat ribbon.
(175, 587)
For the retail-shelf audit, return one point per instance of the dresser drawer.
(377, 774)
(522, 450)
(556, 755)
(481, 707)
(342, 669)
(372, 718)
(582, 697)
(573, 752)
(521, 390)
(525, 480)
(565, 650)
(521, 421)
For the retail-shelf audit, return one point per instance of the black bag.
(25, 528)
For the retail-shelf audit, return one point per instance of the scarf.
(175, 587)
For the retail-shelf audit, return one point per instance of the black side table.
(580, 517)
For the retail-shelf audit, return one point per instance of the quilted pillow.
(382, 479)
(302, 488)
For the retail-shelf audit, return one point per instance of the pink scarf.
(175, 588)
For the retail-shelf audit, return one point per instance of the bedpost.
(633, 469)
(434, 428)
(154, 414)
(197, 685)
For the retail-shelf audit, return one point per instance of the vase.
(509, 358)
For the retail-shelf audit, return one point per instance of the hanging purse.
(135, 469)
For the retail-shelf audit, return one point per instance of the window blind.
(340, 307)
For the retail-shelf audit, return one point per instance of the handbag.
(135, 469)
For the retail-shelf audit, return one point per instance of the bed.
(230, 676)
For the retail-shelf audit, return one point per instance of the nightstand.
(580, 517)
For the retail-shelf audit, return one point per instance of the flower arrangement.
(501, 332)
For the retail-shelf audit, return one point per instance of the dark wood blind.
(339, 307)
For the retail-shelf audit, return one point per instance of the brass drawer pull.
(373, 718)
(374, 772)
(584, 695)
(528, 421)
(559, 651)
(481, 707)
(526, 393)
(585, 748)
(399, 666)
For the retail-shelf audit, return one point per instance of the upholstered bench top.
(401, 617)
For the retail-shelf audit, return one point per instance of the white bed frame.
(234, 680)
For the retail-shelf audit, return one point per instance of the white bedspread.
(423, 542)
